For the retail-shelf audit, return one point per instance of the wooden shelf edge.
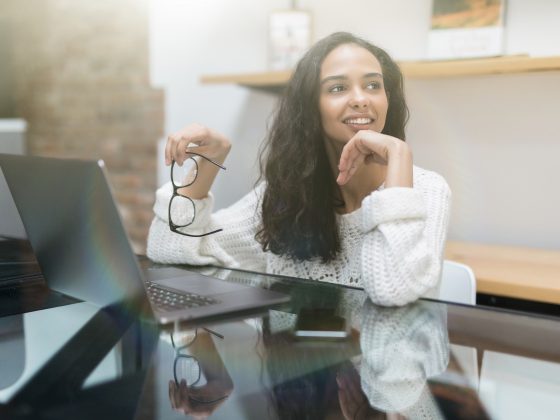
(272, 78)
(525, 292)
(411, 70)
(479, 67)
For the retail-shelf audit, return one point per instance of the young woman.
(340, 201)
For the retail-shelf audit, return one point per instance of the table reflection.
(379, 371)
(201, 382)
(401, 349)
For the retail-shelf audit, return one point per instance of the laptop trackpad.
(201, 285)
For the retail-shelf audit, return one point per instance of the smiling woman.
(339, 198)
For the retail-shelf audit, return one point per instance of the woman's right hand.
(209, 143)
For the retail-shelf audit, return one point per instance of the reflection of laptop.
(75, 230)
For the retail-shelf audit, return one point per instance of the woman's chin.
(339, 142)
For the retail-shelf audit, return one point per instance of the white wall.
(492, 137)
(189, 38)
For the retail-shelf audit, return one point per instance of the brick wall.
(81, 80)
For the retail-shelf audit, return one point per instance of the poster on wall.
(289, 38)
(466, 29)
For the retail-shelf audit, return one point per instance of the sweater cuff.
(391, 204)
(203, 206)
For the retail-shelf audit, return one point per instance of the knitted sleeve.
(401, 348)
(235, 246)
(404, 236)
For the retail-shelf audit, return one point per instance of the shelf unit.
(274, 81)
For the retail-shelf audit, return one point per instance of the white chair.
(458, 285)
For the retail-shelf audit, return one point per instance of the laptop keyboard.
(166, 299)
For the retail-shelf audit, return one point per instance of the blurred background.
(111, 78)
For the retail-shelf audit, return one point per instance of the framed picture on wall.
(289, 38)
(466, 29)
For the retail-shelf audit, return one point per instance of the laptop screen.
(75, 229)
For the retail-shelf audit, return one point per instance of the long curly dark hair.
(298, 217)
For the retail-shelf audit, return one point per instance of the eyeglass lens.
(182, 211)
(187, 369)
(185, 174)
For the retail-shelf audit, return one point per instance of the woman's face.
(352, 94)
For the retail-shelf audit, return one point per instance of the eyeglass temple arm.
(208, 159)
(213, 333)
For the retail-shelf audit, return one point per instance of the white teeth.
(359, 121)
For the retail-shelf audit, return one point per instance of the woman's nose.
(358, 100)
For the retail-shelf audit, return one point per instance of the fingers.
(204, 393)
(179, 155)
(176, 149)
(350, 160)
(196, 139)
(365, 147)
(344, 176)
(168, 154)
(350, 153)
(352, 157)
(174, 396)
(184, 392)
(177, 144)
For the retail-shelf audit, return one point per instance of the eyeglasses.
(181, 177)
(187, 367)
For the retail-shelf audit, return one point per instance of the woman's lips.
(357, 124)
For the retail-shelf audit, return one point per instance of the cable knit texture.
(392, 246)
(401, 349)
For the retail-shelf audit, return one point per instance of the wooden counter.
(516, 272)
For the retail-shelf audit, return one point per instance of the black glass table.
(327, 354)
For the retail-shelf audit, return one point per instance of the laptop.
(74, 227)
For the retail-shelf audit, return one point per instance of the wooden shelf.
(516, 272)
(275, 80)
(272, 81)
(479, 67)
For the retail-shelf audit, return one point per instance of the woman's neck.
(367, 179)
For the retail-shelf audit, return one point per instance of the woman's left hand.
(200, 402)
(370, 146)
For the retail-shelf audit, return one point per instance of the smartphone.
(320, 323)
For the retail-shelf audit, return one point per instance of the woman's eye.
(336, 88)
(374, 85)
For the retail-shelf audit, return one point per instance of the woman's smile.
(359, 123)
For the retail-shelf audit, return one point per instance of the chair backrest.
(458, 283)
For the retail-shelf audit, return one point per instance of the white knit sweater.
(392, 246)
(401, 349)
